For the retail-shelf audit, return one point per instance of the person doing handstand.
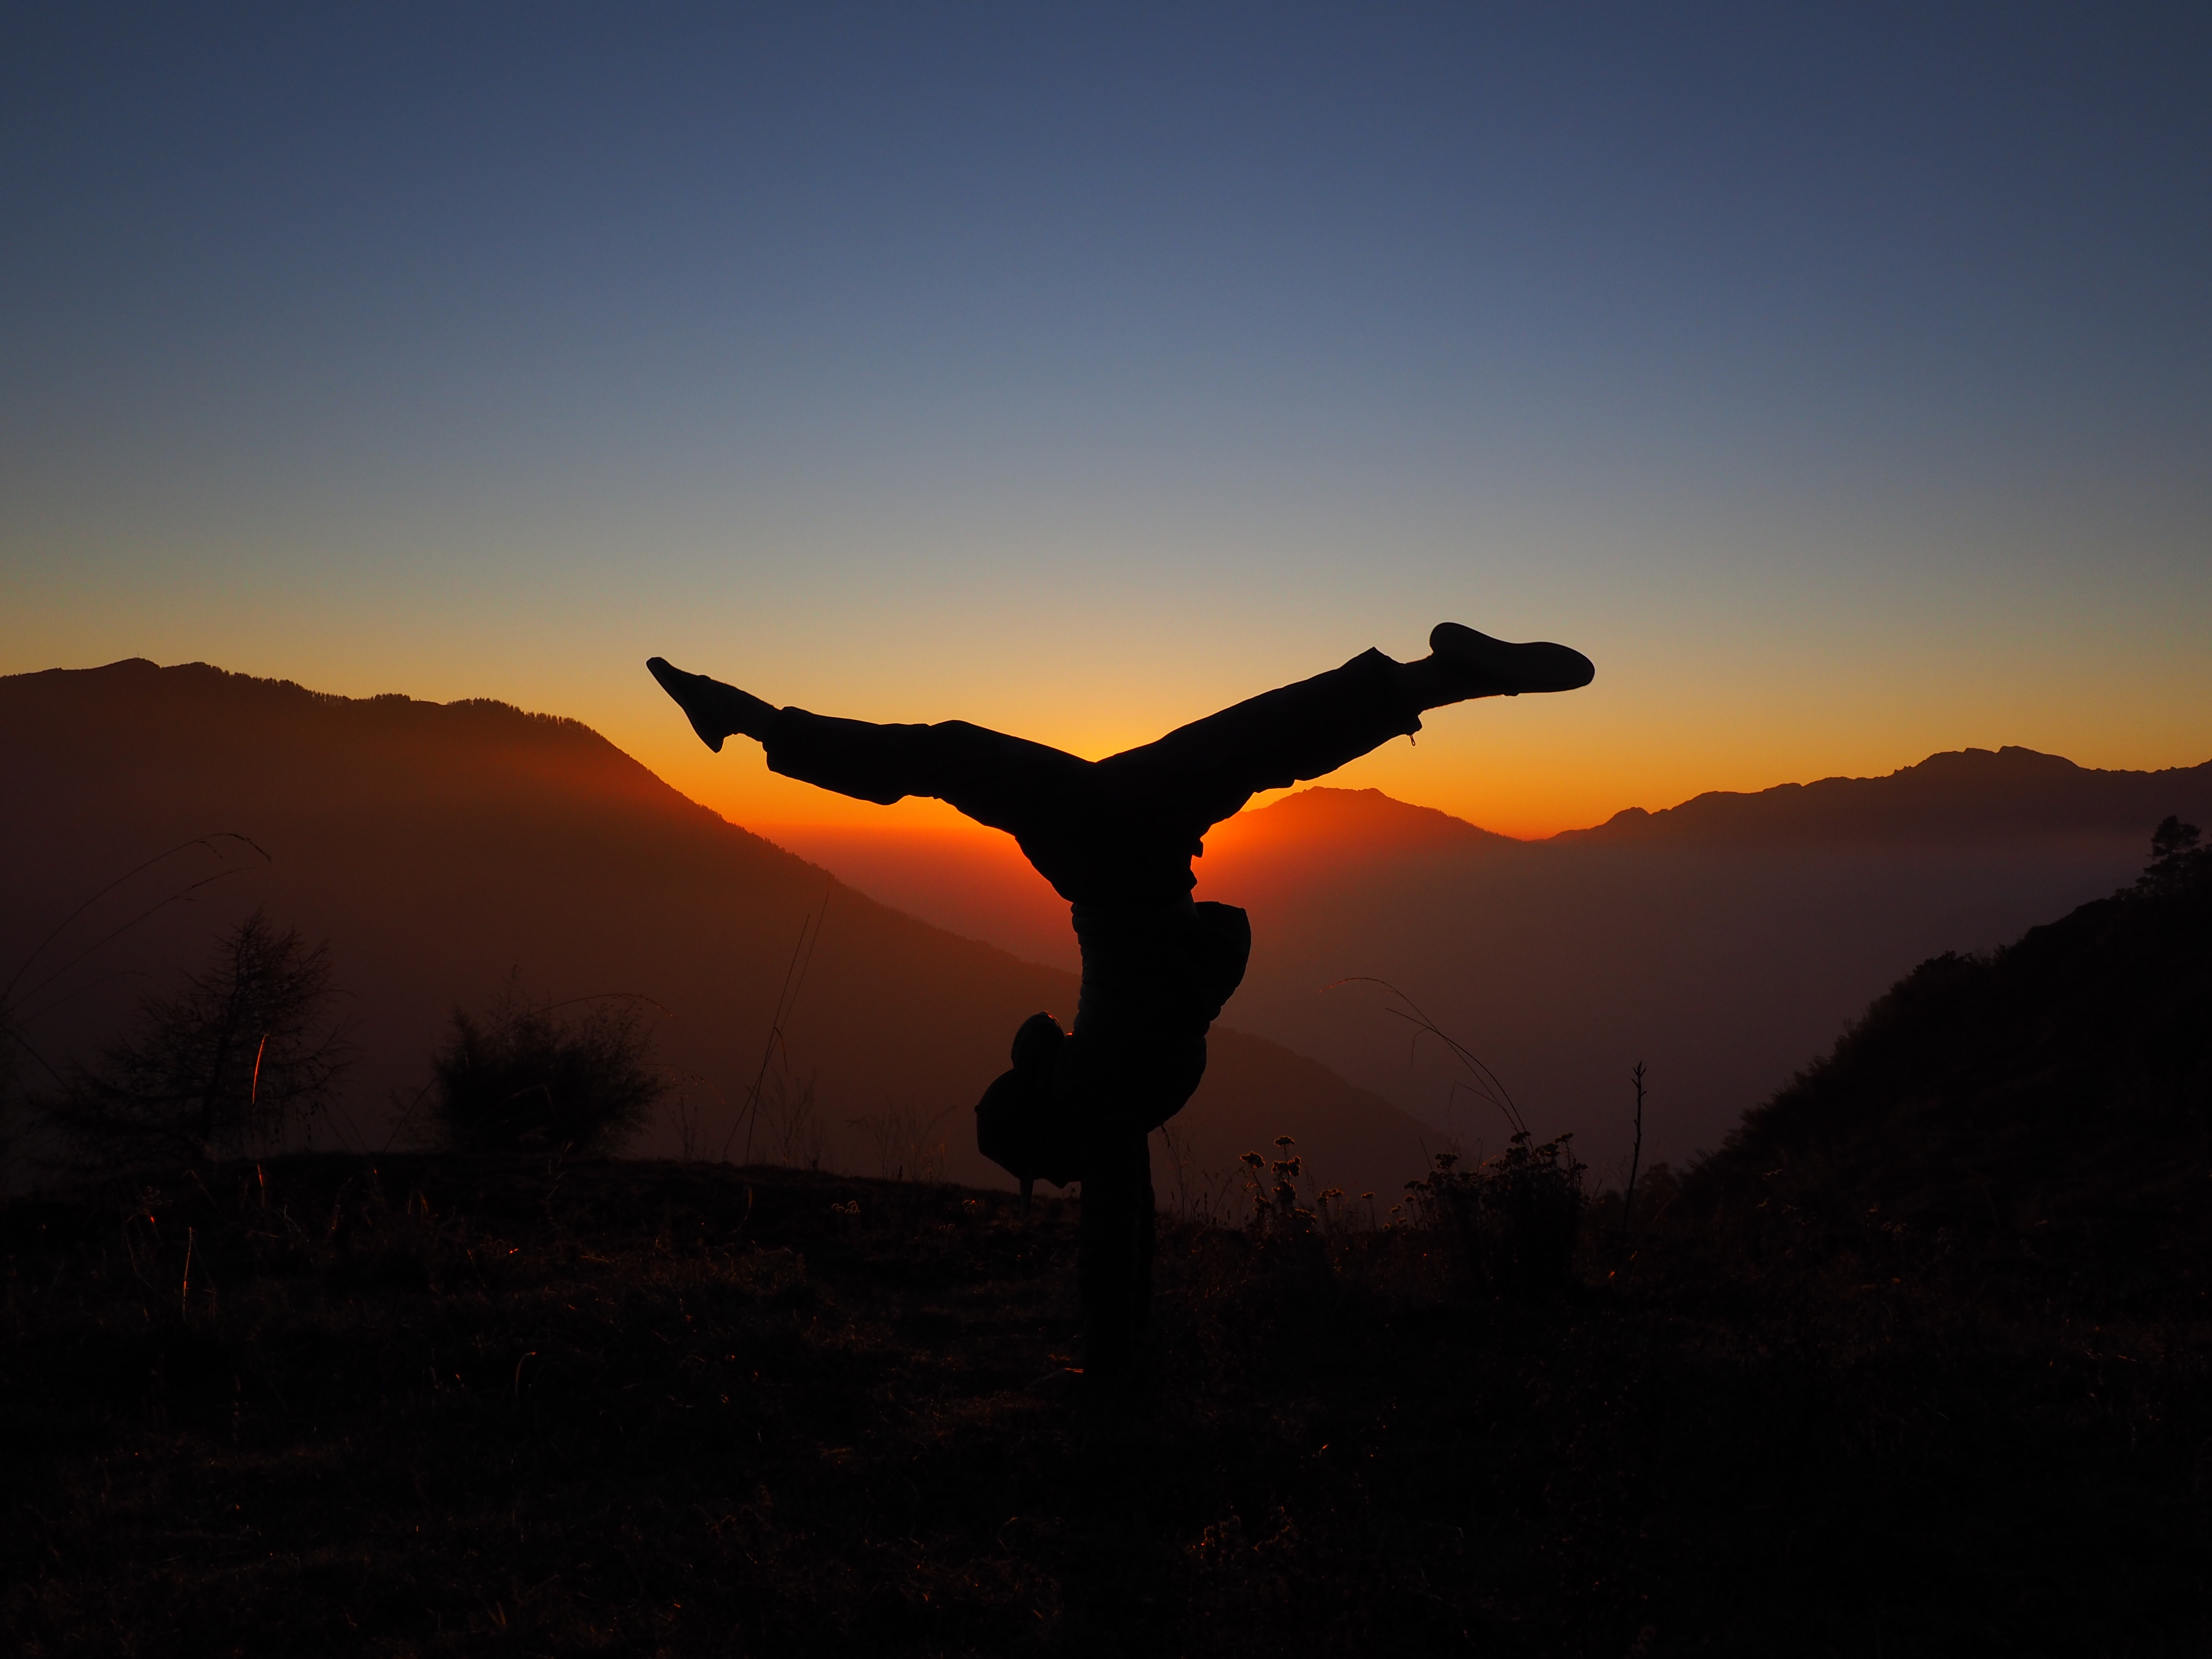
(1115, 838)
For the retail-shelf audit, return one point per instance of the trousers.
(1115, 838)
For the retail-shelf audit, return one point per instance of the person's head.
(1018, 1124)
(1035, 1043)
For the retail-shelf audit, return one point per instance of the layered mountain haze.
(440, 847)
(1723, 942)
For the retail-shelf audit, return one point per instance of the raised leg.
(1069, 812)
(1008, 783)
(1208, 769)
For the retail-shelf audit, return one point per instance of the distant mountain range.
(1725, 942)
(440, 847)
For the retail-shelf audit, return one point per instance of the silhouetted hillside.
(438, 847)
(2056, 1089)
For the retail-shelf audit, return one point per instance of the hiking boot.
(1473, 665)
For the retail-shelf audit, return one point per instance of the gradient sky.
(1840, 381)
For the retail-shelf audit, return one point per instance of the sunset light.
(875, 828)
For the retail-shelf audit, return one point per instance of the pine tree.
(245, 1056)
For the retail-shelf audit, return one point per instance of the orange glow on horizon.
(1649, 734)
(1530, 767)
(1529, 798)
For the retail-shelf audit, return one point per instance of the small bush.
(1510, 1225)
(530, 1076)
(1273, 1185)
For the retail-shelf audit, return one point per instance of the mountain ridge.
(1960, 794)
(441, 846)
(1977, 790)
(1971, 793)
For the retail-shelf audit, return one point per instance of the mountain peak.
(2011, 761)
(1365, 821)
(160, 722)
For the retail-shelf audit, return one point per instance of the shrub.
(530, 1076)
(245, 1055)
(1273, 1183)
(1509, 1224)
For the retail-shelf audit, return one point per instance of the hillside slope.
(2062, 1083)
(441, 847)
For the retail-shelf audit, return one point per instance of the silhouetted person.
(1115, 838)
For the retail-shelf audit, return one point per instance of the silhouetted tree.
(245, 1055)
(2176, 859)
(530, 1076)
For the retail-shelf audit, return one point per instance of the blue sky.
(1838, 378)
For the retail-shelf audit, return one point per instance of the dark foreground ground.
(484, 1407)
